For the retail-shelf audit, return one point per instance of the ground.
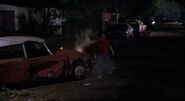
(151, 68)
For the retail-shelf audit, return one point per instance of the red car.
(25, 57)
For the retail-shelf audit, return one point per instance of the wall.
(17, 12)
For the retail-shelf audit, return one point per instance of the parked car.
(182, 19)
(26, 57)
(124, 31)
(139, 27)
(150, 23)
(129, 31)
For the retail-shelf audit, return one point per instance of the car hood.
(72, 55)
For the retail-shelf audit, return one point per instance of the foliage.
(161, 8)
(9, 92)
(64, 1)
(157, 3)
(180, 2)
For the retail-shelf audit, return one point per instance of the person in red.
(102, 47)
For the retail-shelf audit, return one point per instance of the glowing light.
(61, 48)
(153, 22)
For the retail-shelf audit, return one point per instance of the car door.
(135, 25)
(13, 64)
(42, 63)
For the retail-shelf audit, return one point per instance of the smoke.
(83, 40)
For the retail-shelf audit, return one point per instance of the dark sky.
(135, 6)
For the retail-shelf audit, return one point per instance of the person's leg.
(99, 63)
(109, 67)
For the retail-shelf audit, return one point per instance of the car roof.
(134, 21)
(13, 40)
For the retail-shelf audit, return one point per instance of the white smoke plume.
(83, 40)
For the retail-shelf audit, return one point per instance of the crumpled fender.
(73, 55)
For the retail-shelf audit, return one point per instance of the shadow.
(35, 83)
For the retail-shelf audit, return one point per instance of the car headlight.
(153, 22)
(127, 32)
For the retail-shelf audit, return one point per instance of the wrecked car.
(26, 57)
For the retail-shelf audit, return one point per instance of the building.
(9, 17)
(13, 18)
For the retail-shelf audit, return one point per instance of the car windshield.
(13, 51)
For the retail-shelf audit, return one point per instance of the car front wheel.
(79, 71)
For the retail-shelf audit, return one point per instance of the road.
(148, 69)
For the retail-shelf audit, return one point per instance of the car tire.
(79, 71)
